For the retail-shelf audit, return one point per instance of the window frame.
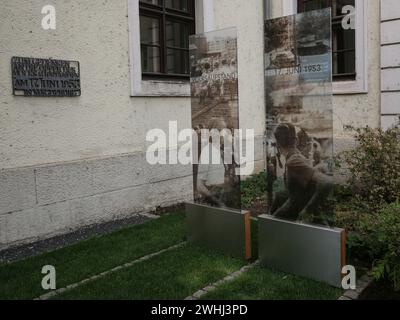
(167, 87)
(336, 24)
(162, 13)
(360, 84)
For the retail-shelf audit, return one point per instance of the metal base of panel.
(220, 228)
(318, 253)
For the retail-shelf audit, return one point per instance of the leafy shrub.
(381, 234)
(374, 166)
(348, 209)
(350, 215)
(253, 188)
(368, 206)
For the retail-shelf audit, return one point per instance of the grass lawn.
(172, 275)
(175, 274)
(22, 280)
(264, 284)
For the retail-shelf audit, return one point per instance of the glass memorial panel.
(215, 117)
(298, 85)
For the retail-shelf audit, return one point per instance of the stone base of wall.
(44, 201)
(40, 202)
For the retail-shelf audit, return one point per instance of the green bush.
(348, 210)
(381, 234)
(368, 206)
(253, 188)
(374, 167)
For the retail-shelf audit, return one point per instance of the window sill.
(162, 88)
(349, 87)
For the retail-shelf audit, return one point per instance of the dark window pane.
(177, 34)
(177, 4)
(177, 61)
(156, 2)
(150, 59)
(343, 39)
(344, 63)
(338, 5)
(315, 4)
(149, 30)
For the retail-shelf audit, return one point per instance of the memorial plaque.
(45, 77)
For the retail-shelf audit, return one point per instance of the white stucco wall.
(363, 109)
(70, 162)
(104, 120)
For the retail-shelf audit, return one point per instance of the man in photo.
(307, 187)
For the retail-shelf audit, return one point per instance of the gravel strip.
(32, 249)
(362, 285)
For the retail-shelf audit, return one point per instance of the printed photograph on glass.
(215, 109)
(298, 85)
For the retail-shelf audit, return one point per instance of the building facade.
(67, 162)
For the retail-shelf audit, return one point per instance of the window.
(158, 84)
(343, 41)
(165, 27)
